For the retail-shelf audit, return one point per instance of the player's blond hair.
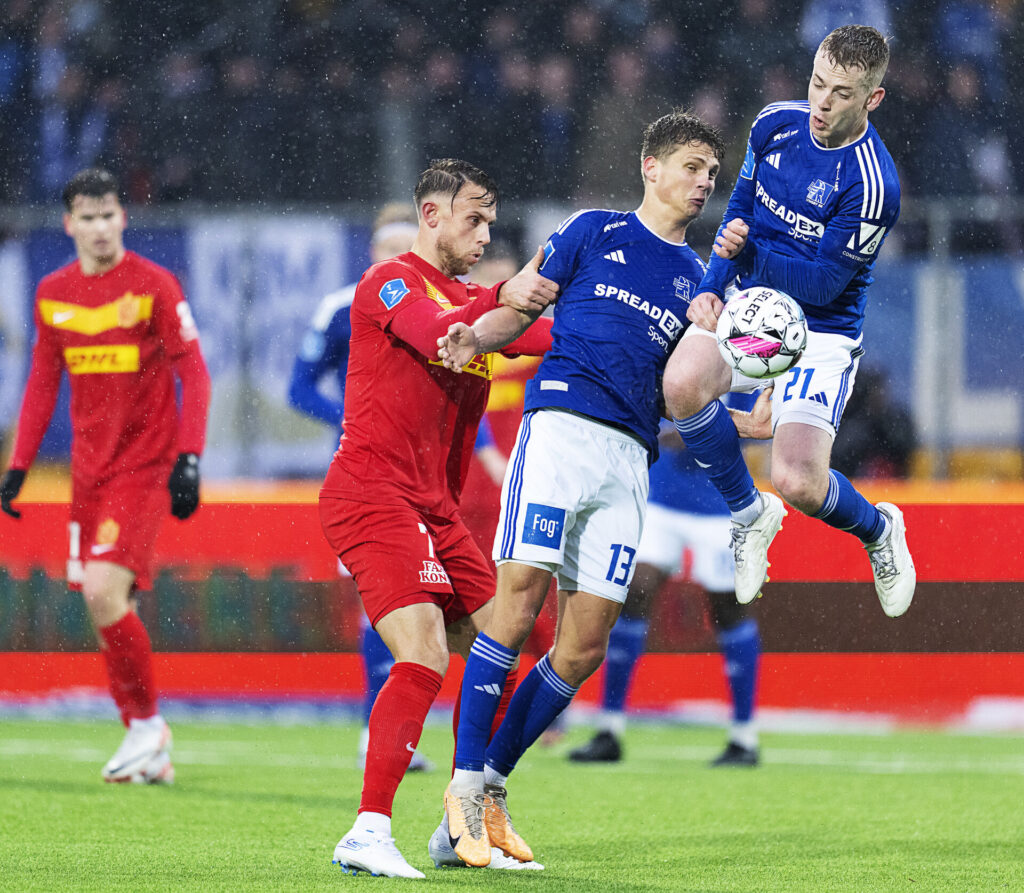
(858, 46)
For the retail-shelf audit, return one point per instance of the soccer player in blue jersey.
(819, 193)
(575, 493)
(684, 513)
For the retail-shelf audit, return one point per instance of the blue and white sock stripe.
(831, 497)
(844, 386)
(741, 632)
(552, 679)
(515, 489)
(493, 652)
(699, 420)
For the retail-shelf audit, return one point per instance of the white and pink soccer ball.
(762, 332)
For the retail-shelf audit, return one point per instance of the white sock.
(156, 721)
(613, 721)
(750, 514)
(464, 780)
(492, 776)
(364, 741)
(885, 531)
(744, 734)
(374, 822)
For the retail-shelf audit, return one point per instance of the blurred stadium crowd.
(295, 101)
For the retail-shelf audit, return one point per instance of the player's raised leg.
(801, 473)
(695, 379)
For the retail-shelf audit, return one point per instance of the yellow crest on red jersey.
(108, 532)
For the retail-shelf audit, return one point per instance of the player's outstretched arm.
(490, 332)
(528, 290)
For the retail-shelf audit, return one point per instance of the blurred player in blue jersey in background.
(819, 192)
(684, 513)
(575, 494)
(323, 357)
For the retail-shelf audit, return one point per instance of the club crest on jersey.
(434, 574)
(392, 292)
(129, 310)
(543, 525)
(818, 193)
(684, 289)
(108, 532)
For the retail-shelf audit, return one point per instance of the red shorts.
(118, 522)
(399, 556)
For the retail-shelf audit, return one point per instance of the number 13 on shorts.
(621, 564)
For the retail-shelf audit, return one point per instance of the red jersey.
(121, 335)
(410, 423)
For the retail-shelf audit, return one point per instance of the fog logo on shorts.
(543, 525)
(433, 573)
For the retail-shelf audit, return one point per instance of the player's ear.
(875, 98)
(67, 223)
(649, 169)
(430, 212)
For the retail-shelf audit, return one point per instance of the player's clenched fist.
(731, 239)
(458, 347)
(704, 310)
(528, 290)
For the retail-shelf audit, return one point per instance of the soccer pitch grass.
(260, 807)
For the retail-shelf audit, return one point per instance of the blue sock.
(845, 509)
(377, 663)
(741, 649)
(625, 645)
(538, 700)
(712, 440)
(487, 668)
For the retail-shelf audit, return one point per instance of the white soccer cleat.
(892, 564)
(750, 548)
(144, 756)
(443, 854)
(376, 854)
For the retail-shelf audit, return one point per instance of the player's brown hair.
(858, 46)
(679, 128)
(94, 182)
(446, 176)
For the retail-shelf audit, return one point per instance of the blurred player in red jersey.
(120, 326)
(390, 502)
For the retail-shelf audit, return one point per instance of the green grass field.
(261, 808)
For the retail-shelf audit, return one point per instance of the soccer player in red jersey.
(120, 326)
(390, 502)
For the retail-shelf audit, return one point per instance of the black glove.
(184, 485)
(10, 487)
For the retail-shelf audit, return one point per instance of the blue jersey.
(621, 309)
(324, 354)
(817, 217)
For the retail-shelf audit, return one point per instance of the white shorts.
(815, 391)
(573, 502)
(668, 534)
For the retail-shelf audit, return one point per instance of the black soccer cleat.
(737, 755)
(604, 747)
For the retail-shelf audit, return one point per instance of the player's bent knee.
(800, 487)
(579, 663)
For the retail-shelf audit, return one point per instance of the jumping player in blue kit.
(819, 193)
(575, 493)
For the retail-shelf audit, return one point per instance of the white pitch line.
(216, 754)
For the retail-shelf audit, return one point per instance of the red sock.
(396, 724)
(506, 696)
(129, 659)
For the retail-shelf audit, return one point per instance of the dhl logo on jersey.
(481, 364)
(123, 313)
(102, 358)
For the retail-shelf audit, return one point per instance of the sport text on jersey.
(669, 326)
(800, 227)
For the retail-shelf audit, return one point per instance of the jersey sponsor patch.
(866, 242)
(124, 313)
(392, 292)
(549, 249)
(434, 573)
(543, 525)
(749, 163)
(101, 359)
